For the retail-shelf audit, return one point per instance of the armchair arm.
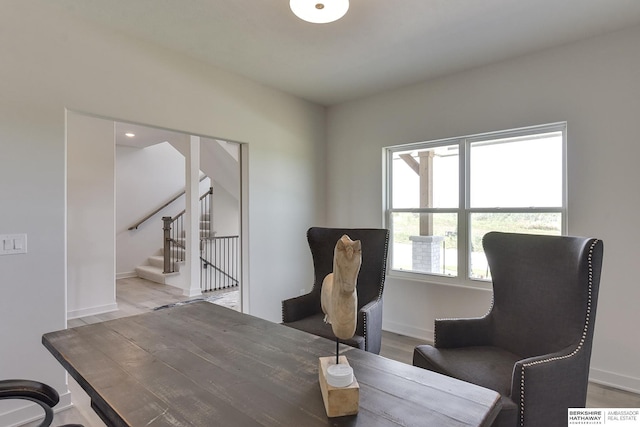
(370, 325)
(452, 333)
(300, 307)
(545, 386)
(42, 394)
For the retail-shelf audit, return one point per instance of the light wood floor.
(135, 296)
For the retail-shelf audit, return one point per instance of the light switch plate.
(11, 244)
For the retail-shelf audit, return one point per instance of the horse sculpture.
(339, 298)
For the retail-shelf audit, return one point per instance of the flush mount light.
(319, 11)
(130, 135)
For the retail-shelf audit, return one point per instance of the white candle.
(339, 375)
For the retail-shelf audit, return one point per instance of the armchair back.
(545, 291)
(370, 284)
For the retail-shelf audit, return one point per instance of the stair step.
(175, 251)
(153, 273)
(158, 261)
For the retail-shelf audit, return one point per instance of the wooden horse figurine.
(340, 305)
(339, 298)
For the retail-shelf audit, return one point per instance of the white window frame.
(464, 211)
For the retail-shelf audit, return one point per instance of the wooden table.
(201, 364)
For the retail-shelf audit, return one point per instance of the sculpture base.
(338, 401)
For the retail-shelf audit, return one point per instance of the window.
(443, 196)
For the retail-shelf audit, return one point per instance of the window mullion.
(463, 215)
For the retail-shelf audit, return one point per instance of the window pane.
(529, 223)
(434, 250)
(517, 172)
(425, 178)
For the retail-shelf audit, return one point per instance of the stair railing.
(220, 262)
(173, 235)
(173, 249)
(219, 256)
(173, 199)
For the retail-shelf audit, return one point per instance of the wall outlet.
(11, 244)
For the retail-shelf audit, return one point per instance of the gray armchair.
(534, 345)
(305, 312)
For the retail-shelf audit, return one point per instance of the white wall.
(594, 85)
(91, 287)
(32, 192)
(221, 161)
(51, 62)
(226, 213)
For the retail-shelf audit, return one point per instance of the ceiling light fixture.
(319, 11)
(130, 135)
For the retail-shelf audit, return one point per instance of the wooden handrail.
(137, 224)
(210, 191)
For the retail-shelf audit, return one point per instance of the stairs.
(153, 269)
(154, 266)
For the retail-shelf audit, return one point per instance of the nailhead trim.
(582, 339)
(384, 264)
(366, 343)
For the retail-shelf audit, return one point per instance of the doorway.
(122, 178)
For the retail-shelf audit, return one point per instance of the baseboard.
(92, 311)
(126, 275)
(408, 330)
(614, 380)
(29, 412)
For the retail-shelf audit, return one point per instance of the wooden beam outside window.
(424, 169)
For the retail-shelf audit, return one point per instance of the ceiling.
(379, 45)
(145, 136)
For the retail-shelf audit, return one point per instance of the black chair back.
(370, 285)
(545, 291)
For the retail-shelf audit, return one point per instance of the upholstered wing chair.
(534, 345)
(42, 394)
(305, 312)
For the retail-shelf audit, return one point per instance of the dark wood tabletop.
(201, 364)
